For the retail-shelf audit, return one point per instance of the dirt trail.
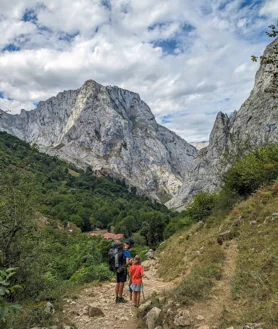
(123, 316)
(221, 299)
(115, 315)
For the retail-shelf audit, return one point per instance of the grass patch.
(194, 256)
(254, 286)
(202, 278)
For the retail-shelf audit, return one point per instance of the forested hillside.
(39, 196)
(63, 192)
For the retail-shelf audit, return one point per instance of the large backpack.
(115, 257)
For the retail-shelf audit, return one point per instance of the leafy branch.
(272, 58)
(7, 289)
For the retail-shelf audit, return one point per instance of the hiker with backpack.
(119, 259)
(136, 273)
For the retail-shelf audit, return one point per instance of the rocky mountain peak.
(110, 130)
(255, 124)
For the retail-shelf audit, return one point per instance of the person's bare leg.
(134, 297)
(121, 289)
(117, 289)
(138, 298)
(130, 292)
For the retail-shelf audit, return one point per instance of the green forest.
(40, 258)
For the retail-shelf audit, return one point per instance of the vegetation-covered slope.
(225, 266)
(39, 196)
(248, 258)
(63, 192)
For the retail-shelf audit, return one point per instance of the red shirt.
(136, 272)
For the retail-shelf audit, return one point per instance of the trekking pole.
(143, 294)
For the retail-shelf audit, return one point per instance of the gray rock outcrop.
(152, 317)
(255, 124)
(182, 318)
(110, 130)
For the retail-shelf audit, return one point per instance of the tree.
(152, 229)
(271, 58)
(255, 169)
(15, 216)
(202, 206)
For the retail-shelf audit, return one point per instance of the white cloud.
(11, 30)
(77, 16)
(187, 59)
(270, 8)
(13, 106)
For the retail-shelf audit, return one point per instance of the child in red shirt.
(136, 272)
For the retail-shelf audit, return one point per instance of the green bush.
(176, 224)
(92, 273)
(202, 206)
(255, 169)
(6, 290)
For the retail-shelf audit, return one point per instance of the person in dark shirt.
(122, 276)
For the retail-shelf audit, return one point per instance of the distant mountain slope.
(111, 130)
(63, 192)
(200, 145)
(255, 124)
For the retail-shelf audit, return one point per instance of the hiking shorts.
(121, 277)
(137, 287)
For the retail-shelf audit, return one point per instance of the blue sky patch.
(152, 27)
(188, 27)
(44, 29)
(224, 4)
(106, 3)
(252, 3)
(11, 47)
(166, 119)
(168, 46)
(29, 15)
(1, 94)
(68, 37)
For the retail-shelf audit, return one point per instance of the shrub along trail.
(95, 306)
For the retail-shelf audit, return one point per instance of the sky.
(187, 59)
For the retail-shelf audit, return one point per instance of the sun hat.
(129, 241)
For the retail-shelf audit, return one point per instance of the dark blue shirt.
(126, 255)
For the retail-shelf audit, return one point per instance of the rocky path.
(95, 307)
(210, 311)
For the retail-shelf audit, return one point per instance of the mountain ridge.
(255, 124)
(110, 130)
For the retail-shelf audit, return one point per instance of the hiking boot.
(117, 299)
(121, 300)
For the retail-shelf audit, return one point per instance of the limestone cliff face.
(110, 130)
(255, 124)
